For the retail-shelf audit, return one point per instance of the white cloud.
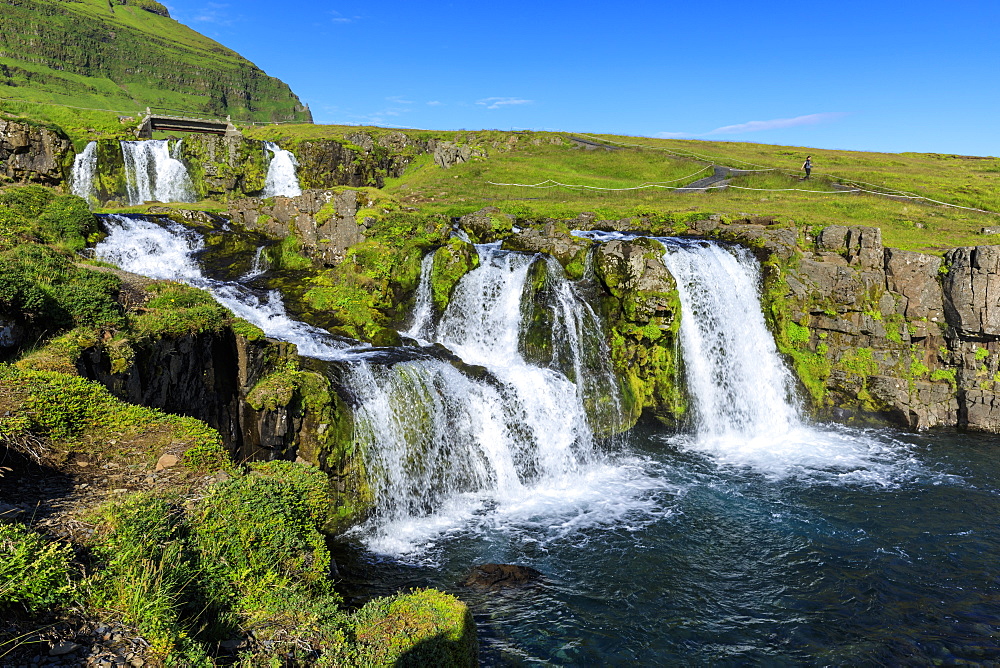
(673, 135)
(497, 102)
(398, 99)
(340, 18)
(777, 123)
(434, 103)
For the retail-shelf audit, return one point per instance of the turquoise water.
(735, 565)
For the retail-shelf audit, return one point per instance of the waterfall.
(446, 441)
(423, 311)
(739, 385)
(168, 252)
(154, 173)
(84, 169)
(259, 265)
(281, 178)
(443, 447)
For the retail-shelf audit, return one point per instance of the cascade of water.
(423, 311)
(442, 441)
(738, 383)
(259, 266)
(154, 173)
(442, 445)
(168, 252)
(281, 177)
(84, 168)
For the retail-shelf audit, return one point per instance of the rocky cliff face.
(265, 401)
(325, 222)
(878, 333)
(32, 154)
(358, 160)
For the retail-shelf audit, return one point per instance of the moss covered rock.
(422, 628)
(553, 239)
(451, 262)
(642, 310)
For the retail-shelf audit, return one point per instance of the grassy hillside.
(107, 55)
(641, 173)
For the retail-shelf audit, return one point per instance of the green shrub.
(43, 285)
(422, 628)
(34, 571)
(147, 574)
(38, 212)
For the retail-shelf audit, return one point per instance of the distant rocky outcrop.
(33, 154)
(325, 222)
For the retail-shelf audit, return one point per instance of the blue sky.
(888, 76)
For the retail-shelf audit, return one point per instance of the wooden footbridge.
(158, 122)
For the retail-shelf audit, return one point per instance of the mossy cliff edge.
(206, 556)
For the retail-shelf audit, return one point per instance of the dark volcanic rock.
(501, 576)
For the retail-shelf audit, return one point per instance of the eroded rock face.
(972, 291)
(448, 154)
(883, 334)
(360, 160)
(555, 240)
(324, 221)
(915, 277)
(30, 154)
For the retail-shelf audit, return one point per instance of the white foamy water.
(84, 169)
(281, 175)
(451, 453)
(422, 328)
(258, 267)
(154, 173)
(168, 252)
(745, 409)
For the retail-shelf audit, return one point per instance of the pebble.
(64, 647)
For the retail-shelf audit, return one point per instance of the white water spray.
(745, 408)
(84, 169)
(154, 173)
(281, 177)
(168, 252)
(422, 328)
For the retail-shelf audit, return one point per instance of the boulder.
(32, 154)
(501, 576)
(571, 252)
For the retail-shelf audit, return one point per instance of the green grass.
(105, 56)
(910, 225)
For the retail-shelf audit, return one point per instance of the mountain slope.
(103, 54)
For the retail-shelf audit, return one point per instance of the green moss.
(288, 255)
(947, 375)
(451, 262)
(859, 362)
(797, 334)
(83, 415)
(421, 628)
(247, 330)
(34, 570)
(176, 310)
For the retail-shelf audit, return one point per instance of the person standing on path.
(808, 165)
